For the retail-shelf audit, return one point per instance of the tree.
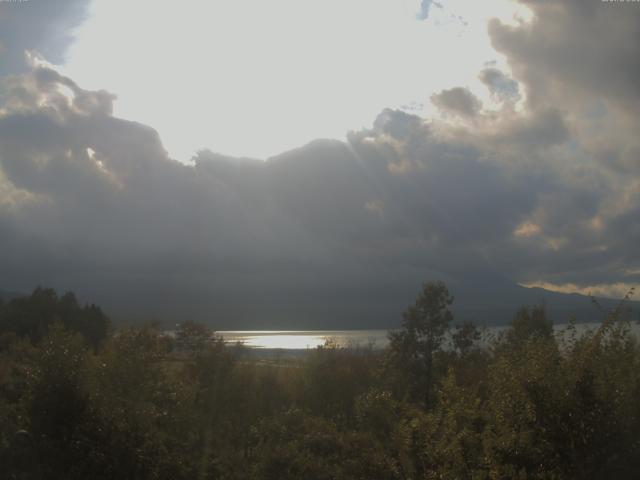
(31, 317)
(466, 336)
(530, 323)
(193, 336)
(413, 347)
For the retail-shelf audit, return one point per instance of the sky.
(294, 159)
(307, 69)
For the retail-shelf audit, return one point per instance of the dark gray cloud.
(458, 101)
(500, 85)
(93, 203)
(575, 47)
(582, 58)
(42, 26)
(582, 61)
(332, 231)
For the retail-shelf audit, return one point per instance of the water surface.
(377, 339)
(304, 339)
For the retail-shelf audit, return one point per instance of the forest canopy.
(445, 400)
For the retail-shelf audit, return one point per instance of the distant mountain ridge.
(485, 299)
(497, 304)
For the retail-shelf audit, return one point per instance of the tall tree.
(413, 346)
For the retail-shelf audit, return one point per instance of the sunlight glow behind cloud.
(473, 171)
(255, 78)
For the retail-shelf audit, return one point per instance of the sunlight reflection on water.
(377, 339)
(300, 340)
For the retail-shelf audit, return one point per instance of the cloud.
(583, 58)
(616, 290)
(500, 85)
(334, 231)
(458, 101)
(94, 203)
(43, 26)
(425, 8)
(587, 48)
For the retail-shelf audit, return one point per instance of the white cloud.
(614, 290)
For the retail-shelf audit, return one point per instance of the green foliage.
(453, 432)
(413, 348)
(294, 445)
(333, 377)
(565, 413)
(145, 405)
(193, 336)
(134, 427)
(529, 323)
(466, 337)
(31, 317)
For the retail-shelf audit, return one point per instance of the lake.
(308, 339)
(305, 339)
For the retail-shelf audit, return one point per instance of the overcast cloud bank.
(542, 189)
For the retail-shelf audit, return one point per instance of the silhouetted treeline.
(31, 317)
(443, 401)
